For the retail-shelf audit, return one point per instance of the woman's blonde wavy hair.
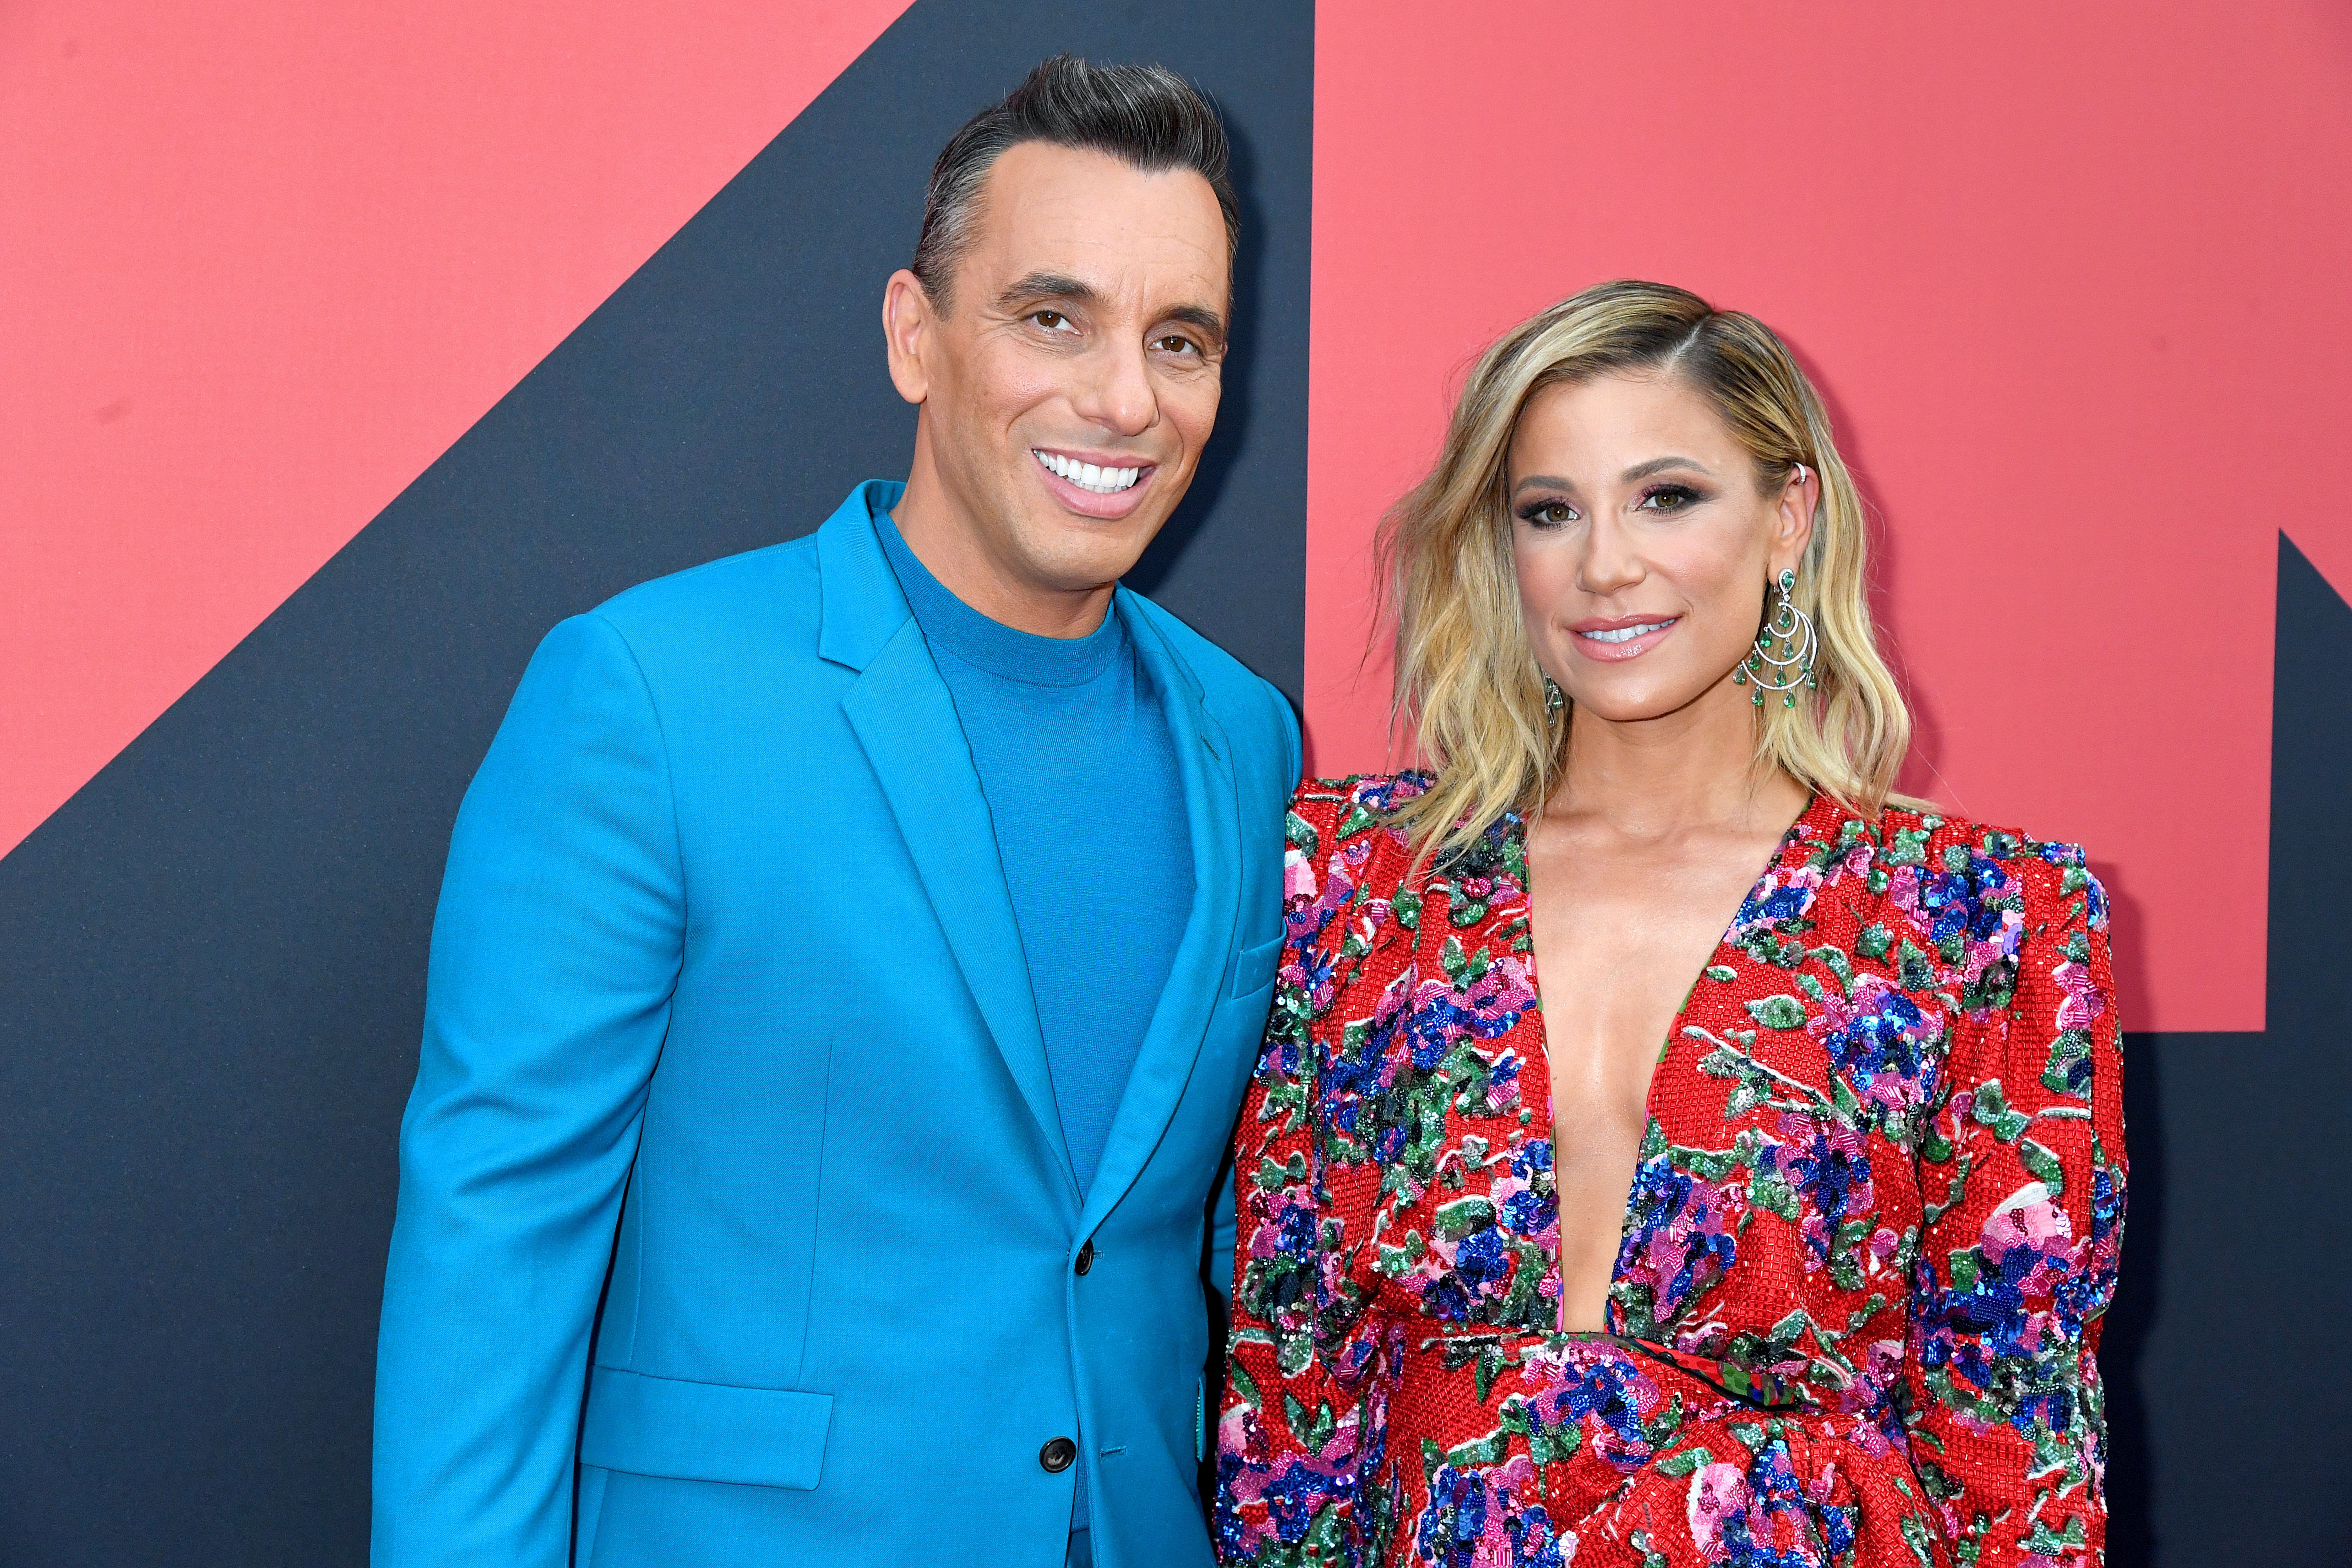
(1466, 680)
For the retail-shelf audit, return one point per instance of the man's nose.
(1118, 393)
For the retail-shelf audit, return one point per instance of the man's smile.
(1106, 487)
(1100, 479)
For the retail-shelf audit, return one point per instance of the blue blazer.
(728, 1019)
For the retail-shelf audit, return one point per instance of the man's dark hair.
(1146, 116)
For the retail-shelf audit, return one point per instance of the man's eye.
(1177, 343)
(1052, 320)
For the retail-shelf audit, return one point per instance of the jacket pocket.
(1254, 969)
(704, 1431)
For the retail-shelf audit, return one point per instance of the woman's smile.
(1626, 637)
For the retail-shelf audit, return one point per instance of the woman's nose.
(1609, 563)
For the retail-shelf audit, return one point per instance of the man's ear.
(907, 321)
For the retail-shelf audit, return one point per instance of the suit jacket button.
(1085, 1257)
(1057, 1455)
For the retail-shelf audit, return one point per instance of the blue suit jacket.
(727, 1006)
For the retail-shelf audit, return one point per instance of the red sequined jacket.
(1872, 1233)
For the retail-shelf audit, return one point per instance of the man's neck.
(952, 548)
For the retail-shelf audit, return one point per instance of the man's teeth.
(1625, 633)
(1087, 476)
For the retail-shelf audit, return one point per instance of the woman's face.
(1643, 549)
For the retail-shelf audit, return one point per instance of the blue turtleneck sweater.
(1075, 759)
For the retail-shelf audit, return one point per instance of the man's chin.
(1080, 554)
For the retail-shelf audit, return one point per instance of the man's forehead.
(1151, 239)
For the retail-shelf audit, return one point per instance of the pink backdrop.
(2073, 279)
(280, 258)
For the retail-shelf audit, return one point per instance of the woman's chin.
(1629, 700)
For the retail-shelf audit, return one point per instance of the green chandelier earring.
(1783, 659)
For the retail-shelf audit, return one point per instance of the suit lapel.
(1196, 980)
(905, 722)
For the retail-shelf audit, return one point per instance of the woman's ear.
(1792, 528)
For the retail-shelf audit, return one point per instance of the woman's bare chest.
(1619, 938)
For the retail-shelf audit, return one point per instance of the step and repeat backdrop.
(344, 352)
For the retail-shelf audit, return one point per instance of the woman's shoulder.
(1348, 817)
(1357, 804)
(2045, 874)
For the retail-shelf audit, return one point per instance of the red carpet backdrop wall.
(344, 350)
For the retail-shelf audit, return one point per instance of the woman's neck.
(1694, 768)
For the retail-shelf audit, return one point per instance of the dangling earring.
(1554, 697)
(1781, 667)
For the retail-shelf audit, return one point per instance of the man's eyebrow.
(1048, 286)
(1199, 316)
(1058, 285)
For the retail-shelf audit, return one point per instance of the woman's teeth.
(1087, 476)
(1627, 634)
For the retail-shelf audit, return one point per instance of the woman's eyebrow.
(1638, 472)
(1659, 465)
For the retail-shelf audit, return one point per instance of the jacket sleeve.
(1289, 1435)
(555, 949)
(2022, 1172)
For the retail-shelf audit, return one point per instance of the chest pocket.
(1254, 966)
(1263, 800)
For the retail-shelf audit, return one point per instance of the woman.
(1780, 1229)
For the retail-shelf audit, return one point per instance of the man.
(852, 955)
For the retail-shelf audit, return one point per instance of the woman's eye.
(1669, 498)
(1550, 514)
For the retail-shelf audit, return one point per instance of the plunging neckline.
(1789, 837)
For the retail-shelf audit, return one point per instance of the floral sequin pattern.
(1874, 1226)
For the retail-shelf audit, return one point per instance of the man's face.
(1068, 388)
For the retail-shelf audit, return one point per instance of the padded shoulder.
(771, 591)
(1328, 815)
(1333, 810)
(2053, 879)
